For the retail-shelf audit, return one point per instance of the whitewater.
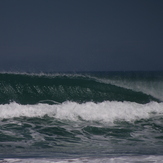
(81, 117)
(105, 112)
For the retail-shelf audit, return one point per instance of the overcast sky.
(81, 35)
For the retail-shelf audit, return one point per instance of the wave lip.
(148, 83)
(104, 112)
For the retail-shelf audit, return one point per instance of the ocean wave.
(96, 114)
(32, 89)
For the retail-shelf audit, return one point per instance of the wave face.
(32, 89)
(93, 115)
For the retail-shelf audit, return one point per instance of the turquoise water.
(94, 115)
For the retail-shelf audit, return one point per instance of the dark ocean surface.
(81, 117)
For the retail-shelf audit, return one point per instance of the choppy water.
(93, 117)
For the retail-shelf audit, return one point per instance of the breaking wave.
(33, 89)
(97, 112)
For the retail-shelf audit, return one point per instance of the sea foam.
(107, 111)
(120, 159)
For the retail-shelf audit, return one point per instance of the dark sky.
(81, 35)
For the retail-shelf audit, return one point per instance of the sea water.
(81, 117)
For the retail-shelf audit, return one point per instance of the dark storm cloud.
(61, 35)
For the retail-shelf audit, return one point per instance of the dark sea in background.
(81, 117)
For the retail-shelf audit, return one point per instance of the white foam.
(103, 112)
(120, 159)
(16, 110)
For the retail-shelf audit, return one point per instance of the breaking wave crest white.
(105, 112)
